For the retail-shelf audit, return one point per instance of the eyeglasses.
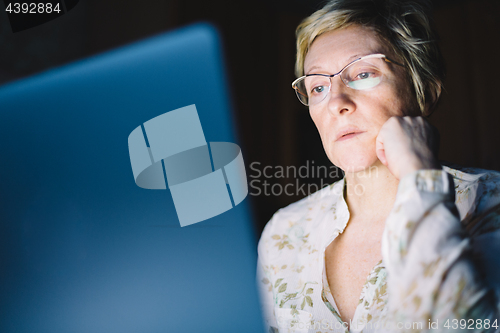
(361, 74)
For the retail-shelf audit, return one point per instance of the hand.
(407, 144)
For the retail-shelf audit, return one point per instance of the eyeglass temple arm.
(393, 62)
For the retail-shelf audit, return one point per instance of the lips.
(347, 133)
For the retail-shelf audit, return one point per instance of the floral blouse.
(431, 277)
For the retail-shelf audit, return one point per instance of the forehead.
(333, 50)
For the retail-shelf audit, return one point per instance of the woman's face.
(346, 110)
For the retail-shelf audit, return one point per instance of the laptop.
(83, 248)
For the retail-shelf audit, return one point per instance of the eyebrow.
(349, 60)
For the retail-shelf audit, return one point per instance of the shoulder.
(479, 185)
(477, 195)
(471, 175)
(297, 219)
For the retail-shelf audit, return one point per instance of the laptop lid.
(83, 248)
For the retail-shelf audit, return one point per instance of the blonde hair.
(406, 27)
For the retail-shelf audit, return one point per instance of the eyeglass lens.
(360, 75)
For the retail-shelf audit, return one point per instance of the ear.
(432, 98)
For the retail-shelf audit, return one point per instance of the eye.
(318, 89)
(364, 76)
(362, 81)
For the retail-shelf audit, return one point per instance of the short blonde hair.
(406, 27)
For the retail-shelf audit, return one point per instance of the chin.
(356, 162)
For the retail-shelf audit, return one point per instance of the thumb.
(380, 151)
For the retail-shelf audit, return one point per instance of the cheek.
(325, 132)
(320, 123)
(387, 105)
(315, 116)
(402, 98)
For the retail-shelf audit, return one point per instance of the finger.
(409, 123)
(380, 151)
(435, 138)
(381, 156)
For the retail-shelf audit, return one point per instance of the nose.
(340, 100)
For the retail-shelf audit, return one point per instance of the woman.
(382, 249)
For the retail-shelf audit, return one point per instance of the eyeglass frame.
(374, 55)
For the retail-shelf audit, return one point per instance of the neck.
(370, 193)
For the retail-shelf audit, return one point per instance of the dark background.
(274, 128)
